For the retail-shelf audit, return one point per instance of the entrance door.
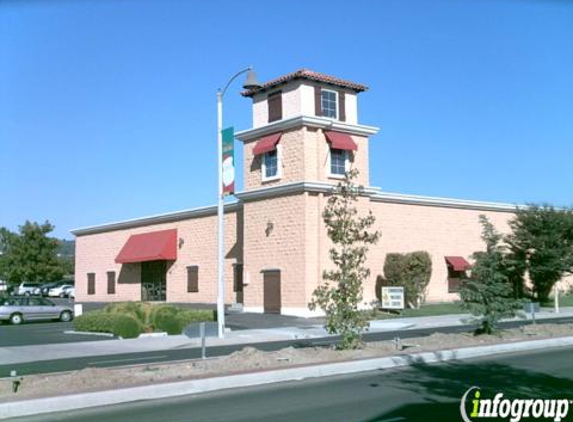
(153, 281)
(272, 292)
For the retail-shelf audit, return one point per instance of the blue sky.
(107, 108)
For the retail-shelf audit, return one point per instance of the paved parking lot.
(34, 333)
(40, 333)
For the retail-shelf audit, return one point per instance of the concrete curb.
(89, 333)
(182, 388)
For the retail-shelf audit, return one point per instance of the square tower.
(305, 129)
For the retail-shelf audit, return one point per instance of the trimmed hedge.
(130, 319)
(173, 320)
(121, 325)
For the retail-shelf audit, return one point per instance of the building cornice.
(309, 121)
(398, 198)
(155, 219)
(294, 188)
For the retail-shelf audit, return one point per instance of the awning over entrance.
(267, 144)
(153, 246)
(339, 140)
(458, 263)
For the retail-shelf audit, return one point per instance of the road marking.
(127, 360)
(398, 418)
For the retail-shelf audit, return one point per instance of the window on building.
(271, 164)
(455, 279)
(338, 160)
(91, 283)
(275, 103)
(111, 282)
(457, 272)
(193, 279)
(329, 103)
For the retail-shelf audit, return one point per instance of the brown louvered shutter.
(193, 279)
(91, 283)
(238, 278)
(111, 282)
(317, 101)
(341, 106)
(275, 102)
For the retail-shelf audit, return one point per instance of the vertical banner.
(228, 160)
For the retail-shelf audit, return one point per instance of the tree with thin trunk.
(341, 291)
(488, 294)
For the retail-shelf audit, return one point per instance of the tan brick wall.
(282, 248)
(405, 228)
(304, 154)
(292, 161)
(97, 252)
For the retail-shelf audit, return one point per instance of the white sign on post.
(392, 298)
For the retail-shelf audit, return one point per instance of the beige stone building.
(305, 135)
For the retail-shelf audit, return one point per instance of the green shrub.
(173, 320)
(129, 319)
(138, 310)
(121, 325)
(126, 326)
(412, 271)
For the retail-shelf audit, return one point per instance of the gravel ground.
(251, 359)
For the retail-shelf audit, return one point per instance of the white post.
(556, 298)
(220, 222)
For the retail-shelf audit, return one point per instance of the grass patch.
(564, 300)
(430, 309)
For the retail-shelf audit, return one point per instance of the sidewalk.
(23, 354)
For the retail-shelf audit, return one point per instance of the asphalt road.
(69, 364)
(417, 393)
(41, 333)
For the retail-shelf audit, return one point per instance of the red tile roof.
(308, 75)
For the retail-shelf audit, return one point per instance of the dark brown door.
(272, 292)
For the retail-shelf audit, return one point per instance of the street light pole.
(250, 83)
(220, 222)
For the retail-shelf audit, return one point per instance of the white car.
(70, 292)
(27, 288)
(59, 291)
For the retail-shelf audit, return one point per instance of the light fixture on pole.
(250, 83)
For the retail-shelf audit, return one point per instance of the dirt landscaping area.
(250, 359)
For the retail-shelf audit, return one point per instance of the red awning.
(340, 140)
(267, 144)
(458, 263)
(154, 246)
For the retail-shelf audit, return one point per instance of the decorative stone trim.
(398, 198)
(156, 219)
(310, 121)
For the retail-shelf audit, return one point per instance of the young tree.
(488, 294)
(542, 239)
(341, 291)
(32, 255)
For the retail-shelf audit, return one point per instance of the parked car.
(59, 291)
(27, 288)
(45, 288)
(19, 309)
(70, 292)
